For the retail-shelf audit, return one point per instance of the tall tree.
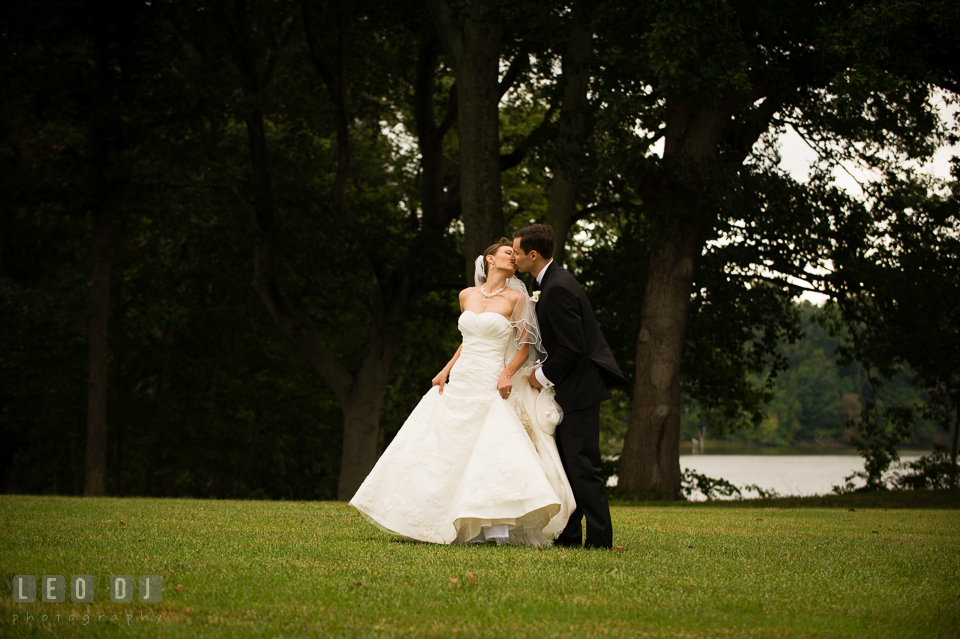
(119, 106)
(711, 79)
(562, 211)
(111, 74)
(472, 41)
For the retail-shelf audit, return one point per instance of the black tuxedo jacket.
(579, 362)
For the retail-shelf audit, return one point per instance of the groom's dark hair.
(537, 237)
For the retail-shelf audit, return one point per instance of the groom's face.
(524, 260)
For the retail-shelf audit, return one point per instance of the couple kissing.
(504, 447)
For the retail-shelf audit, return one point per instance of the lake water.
(787, 474)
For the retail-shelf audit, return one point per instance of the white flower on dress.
(535, 297)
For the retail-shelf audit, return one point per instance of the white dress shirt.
(539, 372)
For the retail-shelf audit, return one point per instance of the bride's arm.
(505, 385)
(442, 376)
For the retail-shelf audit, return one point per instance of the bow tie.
(536, 285)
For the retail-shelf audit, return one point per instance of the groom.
(581, 367)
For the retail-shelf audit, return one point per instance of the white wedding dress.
(467, 462)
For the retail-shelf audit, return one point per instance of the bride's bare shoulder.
(513, 296)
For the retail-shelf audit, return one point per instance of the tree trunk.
(478, 97)
(360, 393)
(562, 197)
(434, 199)
(472, 46)
(561, 208)
(956, 435)
(76, 470)
(361, 429)
(112, 56)
(650, 462)
(361, 415)
(95, 482)
(118, 385)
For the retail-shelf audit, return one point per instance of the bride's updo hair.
(492, 250)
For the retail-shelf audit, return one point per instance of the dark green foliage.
(693, 484)
(208, 398)
(930, 472)
(710, 488)
(204, 398)
(815, 400)
(429, 342)
(881, 473)
(897, 292)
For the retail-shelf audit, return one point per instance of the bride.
(476, 459)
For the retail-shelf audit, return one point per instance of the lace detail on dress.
(468, 459)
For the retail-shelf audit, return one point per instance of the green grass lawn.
(270, 569)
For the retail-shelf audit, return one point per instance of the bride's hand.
(440, 380)
(505, 385)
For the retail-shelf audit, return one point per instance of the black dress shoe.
(590, 546)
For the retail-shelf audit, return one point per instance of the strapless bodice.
(487, 329)
(485, 339)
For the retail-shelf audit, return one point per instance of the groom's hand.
(534, 382)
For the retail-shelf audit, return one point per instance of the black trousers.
(578, 442)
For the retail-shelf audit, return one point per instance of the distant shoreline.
(718, 447)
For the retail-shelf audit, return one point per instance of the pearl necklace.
(494, 294)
